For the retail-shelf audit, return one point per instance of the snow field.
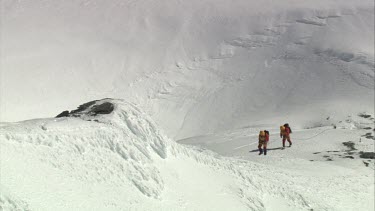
(122, 161)
(317, 165)
(195, 67)
(208, 73)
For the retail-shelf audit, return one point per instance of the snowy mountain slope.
(194, 66)
(210, 73)
(318, 157)
(122, 161)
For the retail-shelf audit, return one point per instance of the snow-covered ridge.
(122, 160)
(122, 149)
(126, 131)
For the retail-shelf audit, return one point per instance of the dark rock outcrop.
(368, 155)
(63, 114)
(364, 115)
(83, 107)
(105, 108)
(91, 108)
(350, 145)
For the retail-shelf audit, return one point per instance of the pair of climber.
(264, 137)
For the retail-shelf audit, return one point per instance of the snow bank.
(121, 160)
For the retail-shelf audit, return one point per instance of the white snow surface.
(197, 81)
(123, 161)
(194, 66)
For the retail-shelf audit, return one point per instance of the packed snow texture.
(122, 161)
(209, 73)
(194, 66)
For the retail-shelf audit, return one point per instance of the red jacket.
(264, 138)
(287, 131)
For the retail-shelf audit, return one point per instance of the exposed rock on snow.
(350, 145)
(63, 114)
(92, 108)
(368, 155)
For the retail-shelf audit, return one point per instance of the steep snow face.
(122, 161)
(194, 66)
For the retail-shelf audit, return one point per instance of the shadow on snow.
(268, 149)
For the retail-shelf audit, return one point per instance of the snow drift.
(188, 68)
(123, 161)
(194, 66)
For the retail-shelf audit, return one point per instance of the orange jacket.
(285, 132)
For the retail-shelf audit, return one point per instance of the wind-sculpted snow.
(9, 202)
(188, 68)
(122, 160)
(195, 66)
